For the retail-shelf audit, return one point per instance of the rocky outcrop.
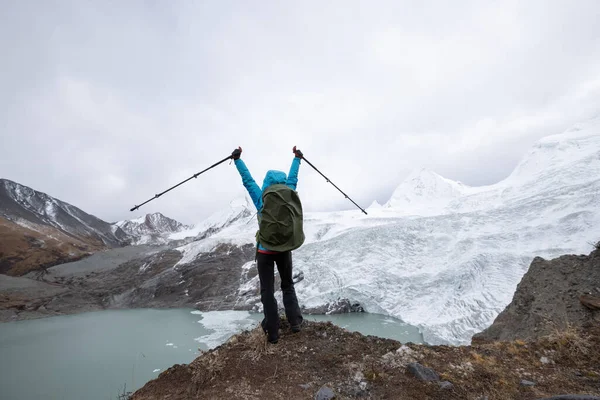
(340, 306)
(554, 295)
(591, 302)
(209, 282)
(324, 361)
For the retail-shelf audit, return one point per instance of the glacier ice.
(439, 254)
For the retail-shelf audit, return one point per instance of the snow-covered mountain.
(150, 228)
(441, 255)
(239, 210)
(32, 209)
(424, 192)
(374, 205)
(38, 231)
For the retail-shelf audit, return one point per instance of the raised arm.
(292, 180)
(249, 183)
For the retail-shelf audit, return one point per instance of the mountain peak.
(374, 205)
(24, 205)
(47, 230)
(151, 227)
(424, 189)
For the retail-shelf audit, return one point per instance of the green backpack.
(280, 224)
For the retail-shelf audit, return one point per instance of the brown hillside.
(23, 250)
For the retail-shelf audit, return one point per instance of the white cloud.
(105, 107)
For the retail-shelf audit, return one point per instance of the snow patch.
(224, 324)
(50, 209)
(144, 267)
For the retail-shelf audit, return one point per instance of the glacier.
(441, 255)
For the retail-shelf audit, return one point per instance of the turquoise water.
(95, 355)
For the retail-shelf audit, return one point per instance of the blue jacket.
(271, 178)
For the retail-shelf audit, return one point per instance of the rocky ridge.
(150, 228)
(554, 295)
(29, 208)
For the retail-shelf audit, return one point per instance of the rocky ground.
(134, 277)
(553, 295)
(143, 277)
(26, 297)
(324, 361)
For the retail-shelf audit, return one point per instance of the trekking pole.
(329, 181)
(156, 196)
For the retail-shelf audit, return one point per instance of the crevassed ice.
(444, 256)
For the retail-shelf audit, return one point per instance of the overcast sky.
(105, 103)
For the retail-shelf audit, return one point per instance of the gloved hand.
(236, 153)
(298, 153)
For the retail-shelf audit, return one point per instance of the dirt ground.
(357, 366)
(23, 250)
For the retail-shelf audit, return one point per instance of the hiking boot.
(297, 327)
(263, 325)
(273, 340)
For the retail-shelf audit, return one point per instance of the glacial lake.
(98, 355)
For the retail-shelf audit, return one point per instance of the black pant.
(266, 274)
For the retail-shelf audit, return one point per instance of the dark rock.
(298, 276)
(445, 385)
(527, 383)
(572, 397)
(591, 302)
(547, 299)
(340, 306)
(422, 373)
(325, 394)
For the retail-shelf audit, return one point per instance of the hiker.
(266, 255)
